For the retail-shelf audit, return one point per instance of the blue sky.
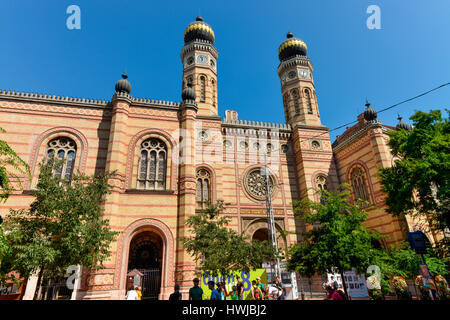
(408, 56)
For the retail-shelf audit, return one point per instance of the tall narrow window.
(213, 83)
(203, 188)
(286, 106)
(296, 104)
(308, 101)
(202, 89)
(64, 149)
(359, 184)
(152, 165)
(321, 184)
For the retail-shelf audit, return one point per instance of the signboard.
(356, 284)
(418, 242)
(231, 281)
(294, 286)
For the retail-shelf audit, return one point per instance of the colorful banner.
(231, 281)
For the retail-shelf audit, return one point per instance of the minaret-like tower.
(314, 157)
(297, 85)
(199, 58)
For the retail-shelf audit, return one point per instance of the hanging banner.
(231, 281)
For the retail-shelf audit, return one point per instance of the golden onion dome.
(199, 30)
(291, 47)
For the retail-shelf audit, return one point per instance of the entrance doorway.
(145, 255)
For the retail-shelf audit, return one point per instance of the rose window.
(255, 183)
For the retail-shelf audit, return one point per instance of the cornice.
(339, 145)
(199, 45)
(53, 99)
(295, 61)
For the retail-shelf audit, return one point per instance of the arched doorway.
(261, 234)
(145, 255)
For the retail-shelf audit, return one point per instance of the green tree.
(64, 226)
(338, 241)
(220, 249)
(418, 183)
(11, 167)
(10, 175)
(401, 260)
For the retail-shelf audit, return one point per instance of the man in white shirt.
(132, 294)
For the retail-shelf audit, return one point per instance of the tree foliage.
(401, 260)
(338, 242)
(64, 226)
(418, 183)
(218, 248)
(10, 175)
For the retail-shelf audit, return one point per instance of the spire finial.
(289, 35)
(399, 118)
(124, 75)
(367, 103)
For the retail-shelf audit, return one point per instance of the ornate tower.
(314, 157)
(297, 85)
(199, 58)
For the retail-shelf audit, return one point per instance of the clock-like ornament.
(202, 59)
(304, 73)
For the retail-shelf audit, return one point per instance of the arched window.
(359, 184)
(64, 149)
(321, 184)
(308, 101)
(202, 89)
(296, 104)
(213, 84)
(152, 165)
(203, 188)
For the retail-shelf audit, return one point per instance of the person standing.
(214, 293)
(132, 294)
(234, 293)
(139, 292)
(255, 291)
(334, 283)
(279, 285)
(176, 295)
(196, 293)
(222, 290)
(240, 288)
(261, 287)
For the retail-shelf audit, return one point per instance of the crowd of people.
(258, 291)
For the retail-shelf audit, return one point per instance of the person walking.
(214, 293)
(176, 295)
(196, 293)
